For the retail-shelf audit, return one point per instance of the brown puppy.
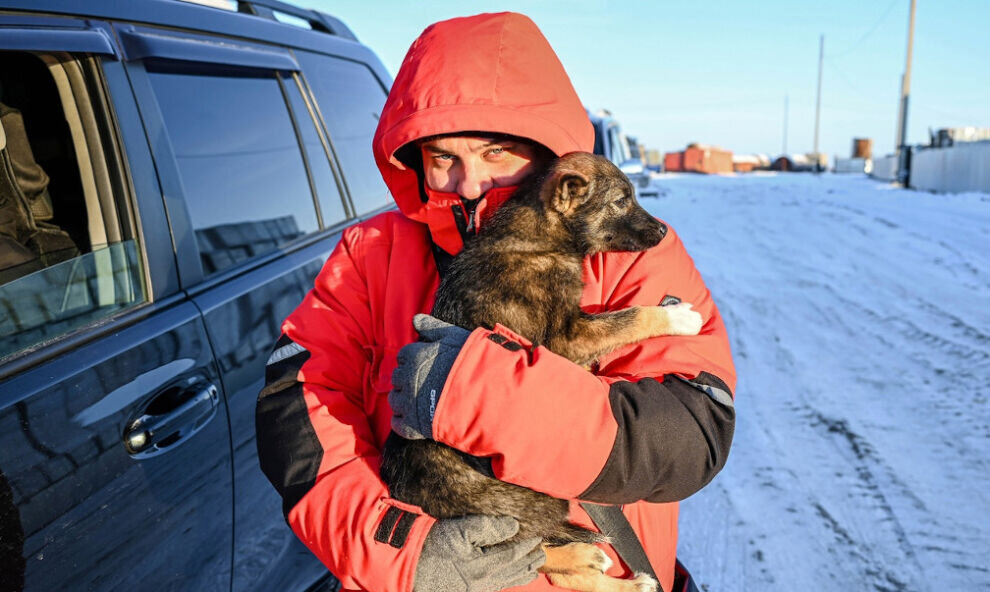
(523, 270)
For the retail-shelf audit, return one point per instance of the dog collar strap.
(451, 222)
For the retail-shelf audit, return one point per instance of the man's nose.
(475, 181)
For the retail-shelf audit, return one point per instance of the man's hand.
(470, 555)
(422, 371)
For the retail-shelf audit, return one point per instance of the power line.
(850, 85)
(855, 46)
(874, 104)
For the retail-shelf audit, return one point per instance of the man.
(477, 105)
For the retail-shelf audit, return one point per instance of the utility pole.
(818, 103)
(903, 154)
(784, 151)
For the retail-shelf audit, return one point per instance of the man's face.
(471, 165)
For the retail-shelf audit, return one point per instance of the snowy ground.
(860, 323)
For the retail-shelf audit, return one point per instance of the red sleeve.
(315, 438)
(655, 423)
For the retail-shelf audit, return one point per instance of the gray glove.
(470, 555)
(422, 371)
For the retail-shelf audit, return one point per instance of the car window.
(68, 254)
(318, 153)
(350, 100)
(239, 159)
(619, 150)
(599, 141)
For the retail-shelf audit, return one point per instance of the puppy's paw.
(575, 558)
(601, 561)
(592, 557)
(682, 319)
(643, 583)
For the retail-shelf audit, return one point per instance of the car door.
(257, 207)
(115, 464)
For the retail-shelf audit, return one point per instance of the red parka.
(650, 427)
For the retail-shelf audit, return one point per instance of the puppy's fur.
(523, 271)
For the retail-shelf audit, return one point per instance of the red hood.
(489, 73)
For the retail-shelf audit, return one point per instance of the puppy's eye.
(622, 202)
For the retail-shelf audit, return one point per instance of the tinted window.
(238, 155)
(68, 295)
(599, 143)
(318, 154)
(351, 100)
(67, 255)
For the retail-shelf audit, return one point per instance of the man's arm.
(655, 423)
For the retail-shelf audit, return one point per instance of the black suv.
(172, 177)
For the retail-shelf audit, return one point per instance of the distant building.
(744, 163)
(800, 162)
(652, 159)
(949, 136)
(699, 158)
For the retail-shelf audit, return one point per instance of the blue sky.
(718, 72)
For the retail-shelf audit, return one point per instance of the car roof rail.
(284, 13)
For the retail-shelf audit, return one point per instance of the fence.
(885, 168)
(853, 165)
(956, 169)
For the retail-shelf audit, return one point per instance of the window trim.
(90, 159)
(145, 44)
(87, 40)
(302, 151)
(349, 208)
(316, 118)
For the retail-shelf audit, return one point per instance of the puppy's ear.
(570, 189)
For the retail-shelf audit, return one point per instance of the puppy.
(523, 270)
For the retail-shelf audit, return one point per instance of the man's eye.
(447, 157)
(497, 151)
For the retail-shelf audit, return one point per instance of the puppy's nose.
(654, 230)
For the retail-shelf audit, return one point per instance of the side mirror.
(633, 166)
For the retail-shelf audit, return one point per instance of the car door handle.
(170, 418)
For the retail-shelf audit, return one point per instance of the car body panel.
(93, 517)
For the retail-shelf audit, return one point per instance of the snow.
(860, 324)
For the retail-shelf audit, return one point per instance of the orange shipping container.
(707, 160)
(673, 161)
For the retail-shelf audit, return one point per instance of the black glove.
(422, 371)
(470, 555)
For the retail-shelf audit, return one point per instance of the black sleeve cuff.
(673, 438)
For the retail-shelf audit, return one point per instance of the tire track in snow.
(864, 372)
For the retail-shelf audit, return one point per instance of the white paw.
(606, 561)
(600, 561)
(644, 583)
(683, 320)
